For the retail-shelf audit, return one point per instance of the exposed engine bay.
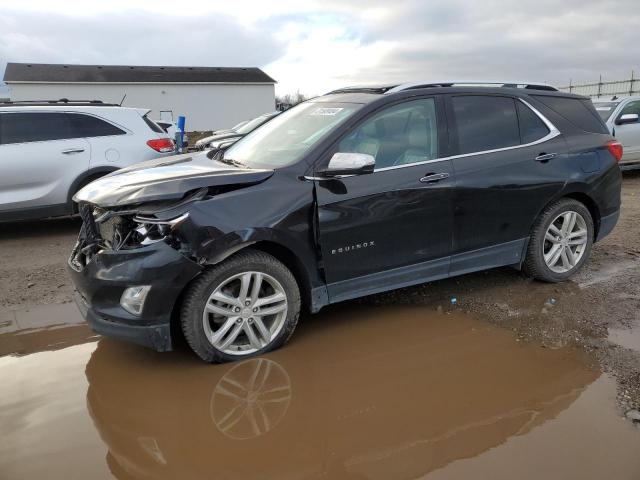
(127, 228)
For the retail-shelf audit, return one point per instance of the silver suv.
(622, 116)
(50, 150)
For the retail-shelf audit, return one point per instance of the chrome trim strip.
(553, 132)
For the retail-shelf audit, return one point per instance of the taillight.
(615, 147)
(162, 145)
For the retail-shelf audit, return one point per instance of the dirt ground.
(598, 311)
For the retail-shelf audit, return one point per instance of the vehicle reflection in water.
(42, 328)
(359, 393)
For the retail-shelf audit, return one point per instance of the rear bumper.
(607, 225)
(99, 286)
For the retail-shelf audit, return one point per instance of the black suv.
(359, 191)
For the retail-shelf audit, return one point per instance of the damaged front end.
(121, 229)
(129, 267)
(138, 247)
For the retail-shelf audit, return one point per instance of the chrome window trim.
(553, 132)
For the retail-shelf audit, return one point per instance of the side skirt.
(509, 253)
(35, 213)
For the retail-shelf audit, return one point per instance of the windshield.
(251, 125)
(605, 109)
(285, 139)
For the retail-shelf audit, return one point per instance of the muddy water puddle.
(42, 327)
(359, 393)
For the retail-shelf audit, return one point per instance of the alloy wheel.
(565, 242)
(245, 313)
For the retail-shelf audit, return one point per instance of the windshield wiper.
(219, 156)
(231, 161)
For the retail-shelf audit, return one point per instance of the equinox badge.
(356, 246)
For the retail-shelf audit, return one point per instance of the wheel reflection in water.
(251, 399)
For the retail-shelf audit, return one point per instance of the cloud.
(315, 46)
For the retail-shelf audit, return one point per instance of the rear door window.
(580, 112)
(485, 122)
(84, 126)
(33, 127)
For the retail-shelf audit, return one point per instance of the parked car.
(171, 128)
(228, 137)
(622, 117)
(50, 150)
(352, 193)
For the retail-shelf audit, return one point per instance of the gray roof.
(55, 72)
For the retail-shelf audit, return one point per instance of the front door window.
(400, 135)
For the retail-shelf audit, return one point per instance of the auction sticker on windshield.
(326, 111)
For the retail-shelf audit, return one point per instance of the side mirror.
(349, 164)
(627, 118)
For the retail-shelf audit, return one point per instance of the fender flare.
(297, 257)
(578, 192)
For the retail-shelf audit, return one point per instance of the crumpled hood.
(165, 179)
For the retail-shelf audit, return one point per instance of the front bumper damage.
(101, 276)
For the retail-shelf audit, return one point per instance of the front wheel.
(245, 306)
(560, 241)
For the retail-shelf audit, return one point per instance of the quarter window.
(485, 123)
(532, 128)
(578, 111)
(399, 135)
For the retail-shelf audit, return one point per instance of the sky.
(315, 46)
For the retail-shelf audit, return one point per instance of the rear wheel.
(245, 306)
(560, 242)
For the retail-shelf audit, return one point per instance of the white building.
(209, 97)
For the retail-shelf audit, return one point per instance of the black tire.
(534, 264)
(200, 290)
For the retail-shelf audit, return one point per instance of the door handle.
(545, 157)
(434, 177)
(73, 151)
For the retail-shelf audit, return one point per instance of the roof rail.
(62, 101)
(364, 89)
(524, 85)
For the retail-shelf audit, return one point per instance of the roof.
(54, 72)
(373, 94)
(393, 88)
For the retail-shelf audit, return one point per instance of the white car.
(622, 116)
(50, 150)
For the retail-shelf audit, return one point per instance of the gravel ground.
(604, 295)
